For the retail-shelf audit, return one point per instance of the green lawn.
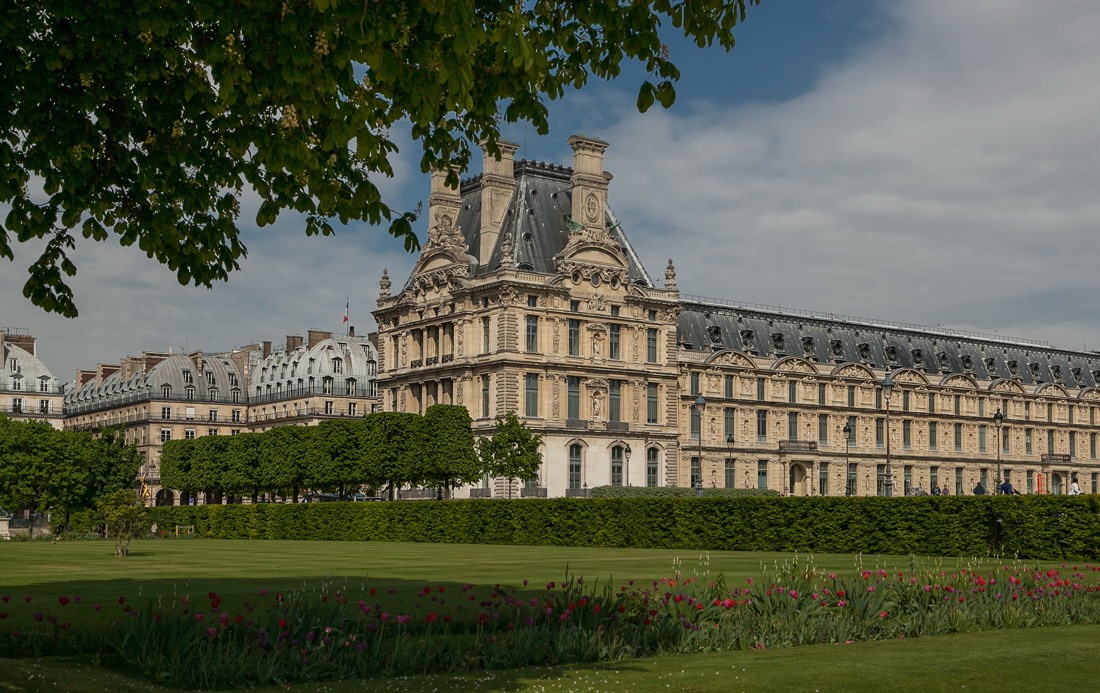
(1041, 659)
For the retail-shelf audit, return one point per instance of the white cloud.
(944, 174)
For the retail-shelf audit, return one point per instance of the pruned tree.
(448, 454)
(151, 120)
(337, 457)
(512, 451)
(392, 448)
(124, 517)
(283, 466)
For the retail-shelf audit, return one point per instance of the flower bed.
(205, 642)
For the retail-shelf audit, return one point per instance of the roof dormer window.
(209, 377)
(187, 377)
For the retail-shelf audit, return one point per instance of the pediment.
(736, 359)
(1007, 385)
(794, 364)
(960, 381)
(1090, 393)
(909, 376)
(854, 371)
(1051, 390)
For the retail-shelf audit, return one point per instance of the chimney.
(498, 180)
(351, 330)
(317, 336)
(293, 341)
(83, 377)
(267, 349)
(589, 181)
(103, 372)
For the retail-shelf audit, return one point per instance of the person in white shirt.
(1074, 489)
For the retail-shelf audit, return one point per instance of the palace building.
(159, 396)
(528, 297)
(27, 388)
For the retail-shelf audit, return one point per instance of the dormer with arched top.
(794, 364)
(731, 358)
(1050, 390)
(959, 381)
(853, 371)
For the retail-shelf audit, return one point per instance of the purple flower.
(310, 636)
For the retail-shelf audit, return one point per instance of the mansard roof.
(773, 333)
(535, 222)
(18, 364)
(358, 360)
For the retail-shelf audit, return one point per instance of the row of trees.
(385, 450)
(43, 469)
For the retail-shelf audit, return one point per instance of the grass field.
(1050, 659)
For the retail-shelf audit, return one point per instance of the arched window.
(575, 453)
(617, 466)
(651, 467)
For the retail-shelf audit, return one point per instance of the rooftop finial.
(507, 259)
(384, 284)
(670, 276)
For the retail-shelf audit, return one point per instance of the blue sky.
(921, 161)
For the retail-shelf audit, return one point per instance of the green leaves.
(138, 122)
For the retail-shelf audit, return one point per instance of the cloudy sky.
(926, 161)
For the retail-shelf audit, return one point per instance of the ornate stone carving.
(597, 302)
(864, 351)
(748, 342)
(507, 252)
(731, 358)
(670, 276)
(384, 284)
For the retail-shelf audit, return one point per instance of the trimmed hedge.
(1035, 527)
(676, 492)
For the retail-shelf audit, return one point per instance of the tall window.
(880, 432)
(694, 384)
(651, 467)
(880, 479)
(958, 437)
(959, 490)
(614, 396)
(696, 472)
(933, 435)
(981, 438)
(575, 466)
(1027, 441)
(908, 478)
(651, 344)
(651, 403)
(613, 341)
(731, 473)
(762, 426)
(1073, 444)
(485, 396)
(792, 391)
(1092, 445)
(823, 429)
(1030, 481)
(851, 395)
(762, 474)
(730, 426)
(573, 397)
(958, 405)
(760, 389)
(696, 422)
(934, 476)
(1050, 441)
(574, 337)
(852, 479)
(907, 434)
(823, 478)
(532, 334)
(852, 431)
(165, 435)
(729, 387)
(532, 394)
(905, 400)
(792, 426)
(616, 466)
(485, 335)
(821, 393)
(931, 402)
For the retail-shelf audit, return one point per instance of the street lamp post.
(887, 390)
(999, 419)
(626, 456)
(699, 406)
(847, 451)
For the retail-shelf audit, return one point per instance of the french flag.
(346, 307)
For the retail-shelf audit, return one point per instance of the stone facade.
(528, 297)
(28, 390)
(159, 396)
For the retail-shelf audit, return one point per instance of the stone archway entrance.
(799, 481)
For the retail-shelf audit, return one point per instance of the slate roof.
(711, 327)
(536, 221)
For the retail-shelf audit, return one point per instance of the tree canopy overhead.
(149, 120)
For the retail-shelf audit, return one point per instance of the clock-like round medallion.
(591, 207)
